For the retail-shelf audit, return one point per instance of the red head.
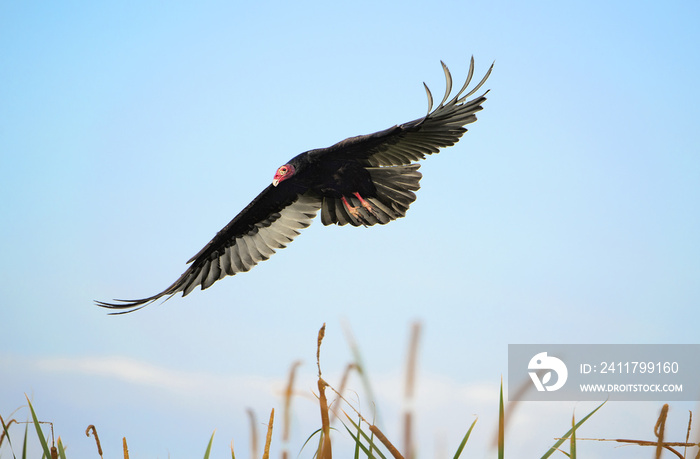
(283, 173)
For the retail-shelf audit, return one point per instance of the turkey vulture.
(362, 180)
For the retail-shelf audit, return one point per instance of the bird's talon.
(366, 205)
(355, 211)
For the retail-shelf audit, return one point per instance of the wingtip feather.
(128, 305)
(448, 84)
(430, 98)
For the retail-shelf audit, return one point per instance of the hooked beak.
(275, 182)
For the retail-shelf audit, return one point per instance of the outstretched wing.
(269, 222)
(410, 142)
(390, 155)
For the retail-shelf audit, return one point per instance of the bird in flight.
(360, 181)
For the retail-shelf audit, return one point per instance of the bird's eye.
(283, 170)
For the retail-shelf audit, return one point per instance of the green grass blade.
(309, 439)
(501, 425)
(464, 441)
(373, 448)
(573, 437)
(7, 436)
(208, 451)
(358, 444)
(44, 445)
(556, 445)
(61, 449)
(24, 445)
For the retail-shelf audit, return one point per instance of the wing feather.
(237, 259)
(409, 142)
(263, 249)
(244, 253)
(213, 275)
(448, 85)
(226, 262)
(241, 244)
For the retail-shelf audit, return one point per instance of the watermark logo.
(597, 372)
(541, 362)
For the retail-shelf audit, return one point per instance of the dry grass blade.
(687, 433)
(408, 433)
(319, 340)
(411, 361)
(287, 408)
(253, 434)
(97, 439)
(385, 441)
(411, 376)
(268, 439)
(125, 448)
(668, 445)
(325, 451)
(343, 382)
(659, 430)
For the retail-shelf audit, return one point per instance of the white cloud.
(178, 385)
(125, 369)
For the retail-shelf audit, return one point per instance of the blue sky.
(131, 132)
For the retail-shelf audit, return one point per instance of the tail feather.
(395, 193)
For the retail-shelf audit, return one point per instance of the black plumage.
(360, 181)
